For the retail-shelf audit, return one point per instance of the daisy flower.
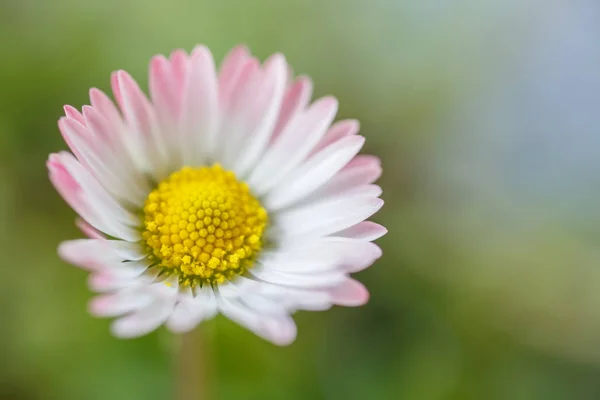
(223, 192)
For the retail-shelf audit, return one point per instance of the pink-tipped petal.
(359, 191)
(82, 142)
(230, 72)
(293, 145)
(95, 149)
(141, 119)
(179, 67)
(349, 293)
(167, 83)
(72, 112)
(263, 115)
(76, 253)
(362, 170)
(358, 255)
(167, 89)
(314, 173)
(338, 131)
(238, 111)
(106, 108)
(116, 88)
(200, 108)
(89, 199)
(111, 280)
(104, 121)
(163, 89)
(296, 99)
(104, 281)
(280, 331)
(89, 230)
(365, 230)
(121, 276)
(71, 191)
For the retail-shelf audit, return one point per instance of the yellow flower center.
(204, 225)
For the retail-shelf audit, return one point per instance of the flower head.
(224, 192)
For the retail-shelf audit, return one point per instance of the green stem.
(192, 375)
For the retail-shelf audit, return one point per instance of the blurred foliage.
(481, 292)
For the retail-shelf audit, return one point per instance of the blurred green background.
(486, 117)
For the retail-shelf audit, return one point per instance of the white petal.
(238, 287)
(322, 254)
(263, 304)
(316, 257)
(293, 145)
(97, 254)
(314, 173)
(143, 321)
(162, 297)
(190, 311)
(128, 250)
(291, 298)
(306, 299)
(327, 217)
(324, 195)
(298, 280)
(119, 303)
(280, 330)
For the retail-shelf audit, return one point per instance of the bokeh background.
(487, 117)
